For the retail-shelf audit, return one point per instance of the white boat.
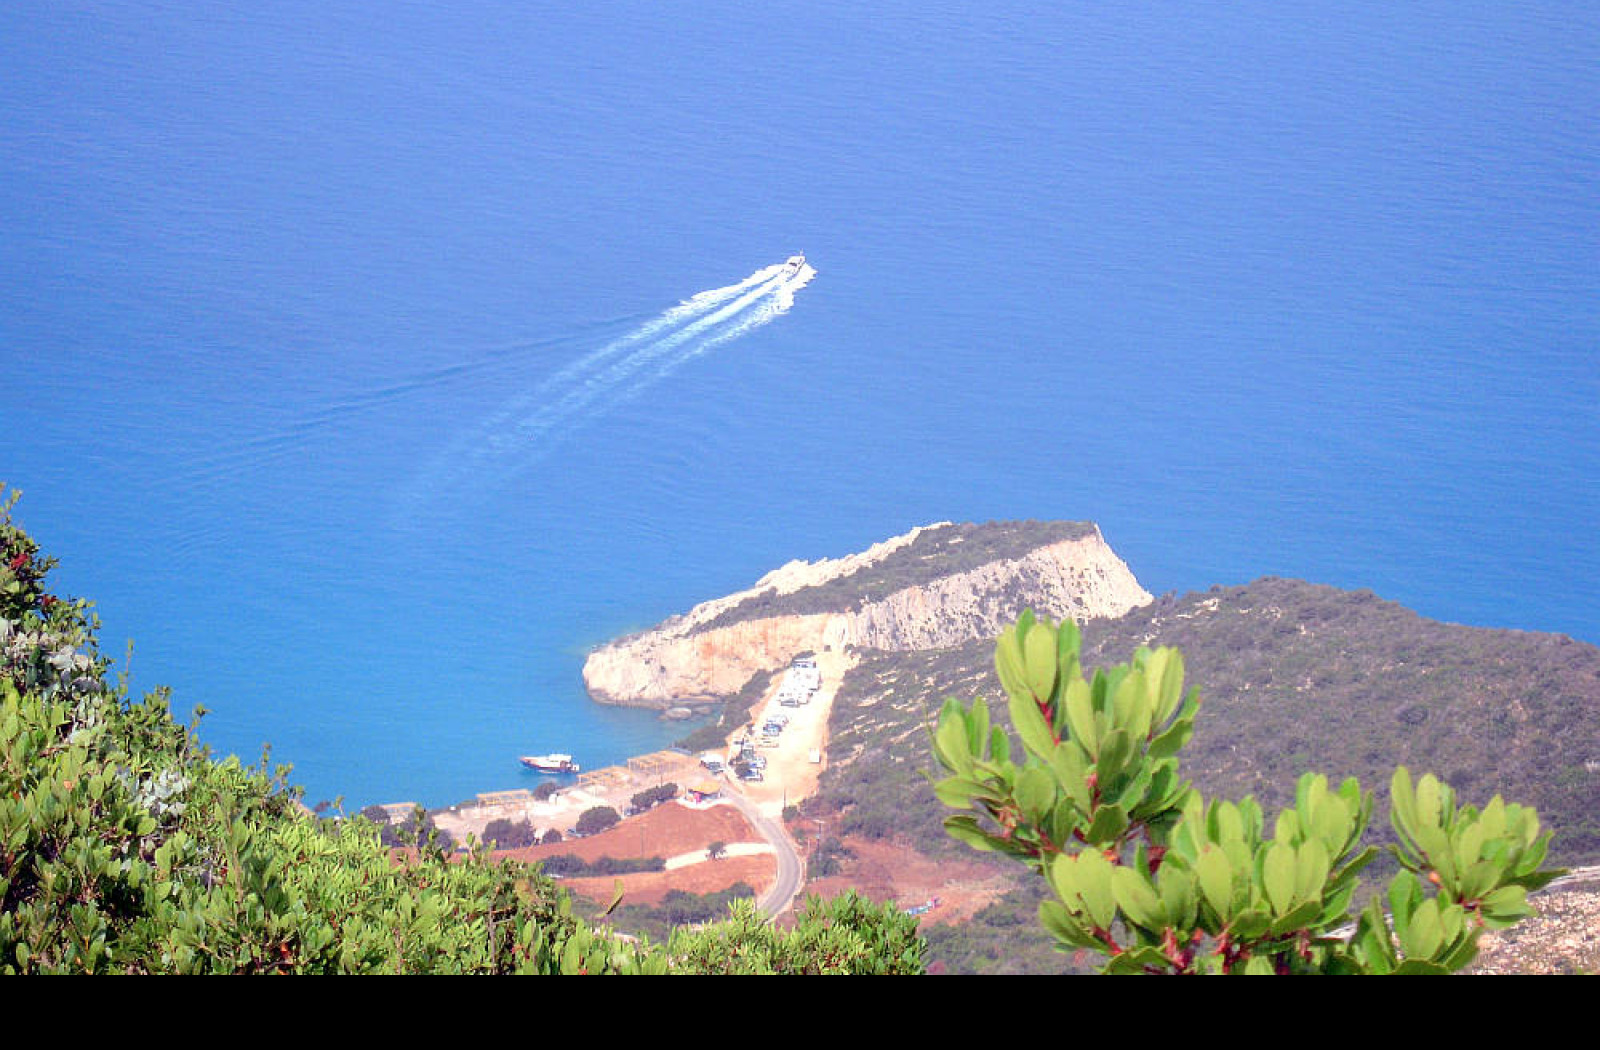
(794, 264)
(550, 763)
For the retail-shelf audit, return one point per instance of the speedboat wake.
(524, 429)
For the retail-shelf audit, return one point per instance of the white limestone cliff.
(691, 657)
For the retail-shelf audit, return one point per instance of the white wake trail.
(694, 306)
(591, 384)
(762, 309)
(706, 320)
(522, 431)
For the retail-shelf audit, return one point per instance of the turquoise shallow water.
(330, 369)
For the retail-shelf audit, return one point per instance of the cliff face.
(711, 651)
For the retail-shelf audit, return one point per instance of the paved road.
(782, 894)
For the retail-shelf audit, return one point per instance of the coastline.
(751, 813)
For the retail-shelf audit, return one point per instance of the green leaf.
(1135, 789)
(1403, 801)
(999, 746)
(1036, 792)
(1138, 961)
(1039, 654)
(1130, 705)
(1311, 869)
(1065, 927)
(1168, 664)
(1109, 822)
(1297, 918)
(1225, 823)
(960, 792)
(1031, 726)
(1432, 800)
(1505, 906)
(950, 741)
(1171, 741)
(1278, 876)
(1137, 898)
(1079, 702)
(1071, 774)
(1069, 641)
(1422, 934)
(977, 727)
(1179, 892)
(1249, 924)
(966, 829)
(1091, 880)
(1009, 663)
(1116, 747)
(1216, 880)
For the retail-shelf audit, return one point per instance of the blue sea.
(352, 361)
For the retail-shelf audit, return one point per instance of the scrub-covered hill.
(1294, 677)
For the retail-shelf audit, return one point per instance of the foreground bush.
(1149, 874)
(124, 848)
(846, 935)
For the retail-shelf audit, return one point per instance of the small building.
(705, 791)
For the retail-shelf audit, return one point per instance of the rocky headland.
(934, 587)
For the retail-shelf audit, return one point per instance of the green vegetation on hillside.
(679, 908)
(125, 848)
(936, 553)
(848, 934)
(1147, 873)
(1297, 677)
(732, 714)
(1300, 676)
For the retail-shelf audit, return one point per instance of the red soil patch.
(707, 877)
(666, 831)
(885, 871)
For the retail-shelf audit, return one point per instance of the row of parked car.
(800, 681)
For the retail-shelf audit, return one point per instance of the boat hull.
(550, 763)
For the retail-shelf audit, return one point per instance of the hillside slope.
(1294, 677)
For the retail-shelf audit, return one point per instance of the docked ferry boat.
(550, 763)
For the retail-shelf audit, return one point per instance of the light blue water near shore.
(305, 317)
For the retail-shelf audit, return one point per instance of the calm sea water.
(339, 364)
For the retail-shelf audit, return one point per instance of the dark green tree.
(509, 834)
(594, 821)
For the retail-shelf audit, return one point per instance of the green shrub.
(508, 834)
(572, 866)
(649, 798)
(124, 848)
(846, 935)
(1148, 873)
(594, 821)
